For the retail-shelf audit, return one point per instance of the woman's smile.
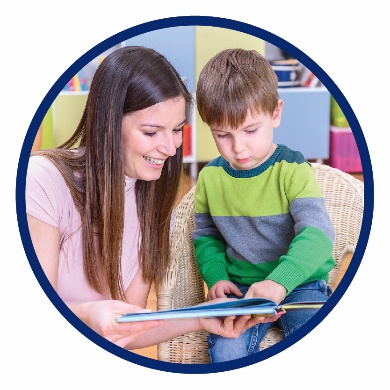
(154, 161)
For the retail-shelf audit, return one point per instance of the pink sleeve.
(42, 189)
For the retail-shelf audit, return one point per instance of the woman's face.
(152, 135)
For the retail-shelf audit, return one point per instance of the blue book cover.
(233, 307)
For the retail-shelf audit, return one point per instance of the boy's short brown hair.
(231, 83)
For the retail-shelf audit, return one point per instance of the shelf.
(73, 93)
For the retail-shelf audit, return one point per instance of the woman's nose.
(167, 145)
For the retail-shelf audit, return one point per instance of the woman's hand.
(101, 317)
(233, 327)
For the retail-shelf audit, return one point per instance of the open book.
(236, 307)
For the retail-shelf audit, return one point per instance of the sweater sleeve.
(210, 247)
(311, 248)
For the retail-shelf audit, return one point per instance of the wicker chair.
(184, 287)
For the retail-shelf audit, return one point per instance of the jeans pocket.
(324, 288)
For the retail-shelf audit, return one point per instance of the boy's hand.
(221, 289)
(267, 289)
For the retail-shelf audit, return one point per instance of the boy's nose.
(238, 146)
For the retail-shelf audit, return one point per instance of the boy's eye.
(222, 135)
(251, 131)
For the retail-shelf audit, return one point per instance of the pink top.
(48, 199)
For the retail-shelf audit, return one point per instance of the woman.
(99, 206)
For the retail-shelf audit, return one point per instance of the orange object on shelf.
(187, 139)
(38, 140)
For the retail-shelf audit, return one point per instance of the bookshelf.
(306, 114)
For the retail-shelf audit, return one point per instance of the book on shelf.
(244, 306)
(187, 140)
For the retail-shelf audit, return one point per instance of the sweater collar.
(129, 183)
(255, 171)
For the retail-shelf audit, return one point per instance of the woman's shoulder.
(38, 164)
(48, 198)
(43, 174)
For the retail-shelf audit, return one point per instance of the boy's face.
(251, 144)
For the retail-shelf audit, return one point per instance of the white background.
(349, 41)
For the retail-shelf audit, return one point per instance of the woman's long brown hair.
(92, 164)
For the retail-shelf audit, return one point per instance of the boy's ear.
(277, 114)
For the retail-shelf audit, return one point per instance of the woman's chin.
(151, 176)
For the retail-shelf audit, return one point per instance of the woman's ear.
(277, 114)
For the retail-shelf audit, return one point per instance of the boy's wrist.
(215, 275)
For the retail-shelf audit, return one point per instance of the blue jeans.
(223, 349)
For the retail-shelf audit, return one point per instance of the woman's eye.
(179, 130)
(150, 133)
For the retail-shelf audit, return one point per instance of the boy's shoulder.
(211, 170)
(216, 162)
(290, 156)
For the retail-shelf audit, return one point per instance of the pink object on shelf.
(344, 153)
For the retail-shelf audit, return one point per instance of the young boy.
(261, 226)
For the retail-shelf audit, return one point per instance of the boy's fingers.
(236, 291)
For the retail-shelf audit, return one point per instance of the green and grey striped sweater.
(269, 222)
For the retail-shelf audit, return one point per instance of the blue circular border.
(175, 22)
